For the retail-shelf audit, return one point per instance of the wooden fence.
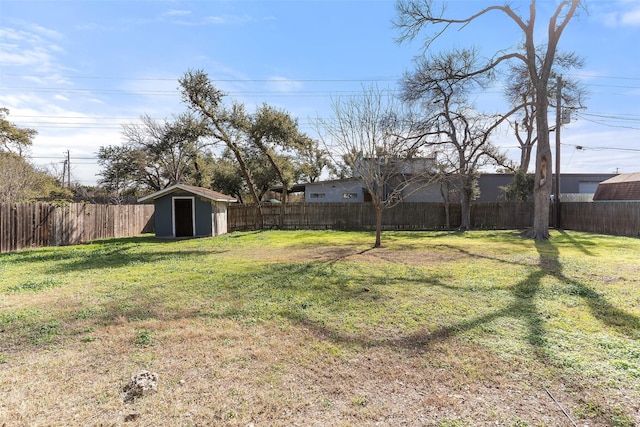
(361, 216)
(617, 218)
(29, 225)
(621, 219)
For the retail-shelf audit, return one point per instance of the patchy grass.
(315, 327)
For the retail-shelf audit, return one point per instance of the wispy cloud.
(176, 12)
(282, 84)
(627, 15)
(33, 48)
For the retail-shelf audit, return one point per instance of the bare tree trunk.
(465, 207)
(445, 197)
(379, 209)
(283, 206)
(525, 157)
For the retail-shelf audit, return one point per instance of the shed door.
(183, 217)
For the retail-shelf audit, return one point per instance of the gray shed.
(187, 211)
(624, 187)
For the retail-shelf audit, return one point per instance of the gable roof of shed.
(199, 191)
(625, 186)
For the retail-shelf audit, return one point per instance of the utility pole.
(68, 169)
(556, 191)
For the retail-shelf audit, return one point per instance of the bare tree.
(450, 122)
(369, 133)
(21, 181)
(416, 15)
(520, 92)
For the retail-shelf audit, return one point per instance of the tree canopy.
(14, 139)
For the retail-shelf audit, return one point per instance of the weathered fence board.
(29, 225)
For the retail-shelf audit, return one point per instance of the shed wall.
(163, 216)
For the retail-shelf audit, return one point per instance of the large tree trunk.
(542, 185)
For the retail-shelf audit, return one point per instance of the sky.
(77, 70)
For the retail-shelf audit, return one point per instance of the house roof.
(625, 186)
(199, 191)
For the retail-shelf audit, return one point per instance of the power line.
(598, 122)
(582, 147)
(303, 80)
(175, 79)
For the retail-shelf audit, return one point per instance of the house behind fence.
(31, 225)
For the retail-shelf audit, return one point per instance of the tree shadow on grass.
(111, 258)
(108, 254)
(523, 308)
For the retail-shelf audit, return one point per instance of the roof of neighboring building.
(625, 186)
(199, 191)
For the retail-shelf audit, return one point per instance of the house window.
(349, 195)
(316, 195)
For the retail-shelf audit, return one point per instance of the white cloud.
(174, 12)
(631, 18)
(627, 16)
(59, 97)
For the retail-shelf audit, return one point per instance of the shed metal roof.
(199, 191)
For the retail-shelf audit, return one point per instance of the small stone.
(141, 384)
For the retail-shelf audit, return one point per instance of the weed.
(85, 313)
(143, 338)
(35, 285)
(45, 332)
(359, 401)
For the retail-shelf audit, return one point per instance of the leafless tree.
(369, 133)
(520, 92)
(451, 123)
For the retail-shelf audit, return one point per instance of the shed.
(188, 211)
(623, 187)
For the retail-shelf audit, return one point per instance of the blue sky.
(76, 70)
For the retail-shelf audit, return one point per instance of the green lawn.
(315, 327)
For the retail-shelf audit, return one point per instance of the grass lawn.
(316, 328)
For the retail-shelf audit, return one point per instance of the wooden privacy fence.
(361, 216)
(622, 219)
(29, 225)
(617, 218)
